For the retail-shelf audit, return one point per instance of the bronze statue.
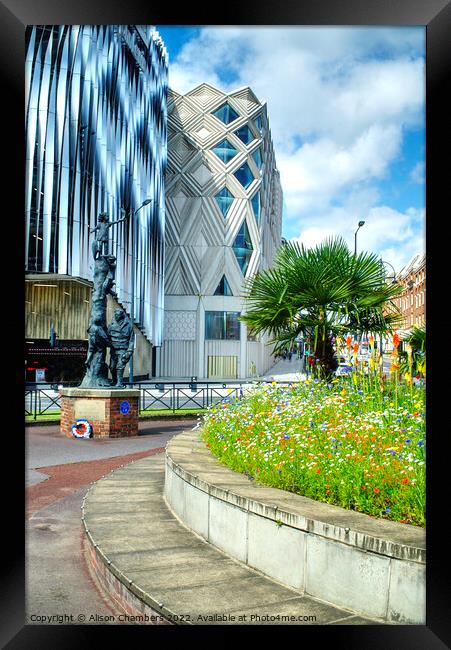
(119, 336)
(122, 340)
(100, 244)
(96, 367)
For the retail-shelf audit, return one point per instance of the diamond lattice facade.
(223, 224)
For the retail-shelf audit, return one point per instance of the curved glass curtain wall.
(96, 119)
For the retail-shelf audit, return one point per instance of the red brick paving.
(67, 478)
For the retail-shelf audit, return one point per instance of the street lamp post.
(393, 279)
(132, 297)
(361, 223)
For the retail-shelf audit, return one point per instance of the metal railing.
(45, 399)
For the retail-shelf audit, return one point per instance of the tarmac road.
(58, 581)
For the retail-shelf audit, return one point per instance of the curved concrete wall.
(370, 566)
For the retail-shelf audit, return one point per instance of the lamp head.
(361, 223)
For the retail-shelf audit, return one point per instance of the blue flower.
(387, 510)
(421, 443)
(408, 440)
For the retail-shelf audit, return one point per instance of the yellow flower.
(343, 392)
(408, 378)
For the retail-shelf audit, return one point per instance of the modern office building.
(96, 140)
(223, 224)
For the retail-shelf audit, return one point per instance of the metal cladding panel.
(207, 207)
(96, 111)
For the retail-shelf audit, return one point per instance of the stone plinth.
(113, 413)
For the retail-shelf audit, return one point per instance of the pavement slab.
(180, 574)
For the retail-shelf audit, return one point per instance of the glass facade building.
(96, 120)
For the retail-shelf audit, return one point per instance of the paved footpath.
(177, 573)
(59, 472)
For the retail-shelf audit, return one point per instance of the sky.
(346, 109)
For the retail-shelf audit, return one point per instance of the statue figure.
(96, 367)
(108, 283)
(122, 339)
(100, 244)
(119, 337)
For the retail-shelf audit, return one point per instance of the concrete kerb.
(386, 553)
(208, 580)
(130, 586)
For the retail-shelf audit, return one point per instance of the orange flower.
(395, 340)
(355, 347)
(348, 342)
(405, 481)
(376, 490)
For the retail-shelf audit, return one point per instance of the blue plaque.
(125, 407)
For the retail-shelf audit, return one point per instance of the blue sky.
(346, 107)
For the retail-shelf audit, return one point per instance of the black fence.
(45, 399)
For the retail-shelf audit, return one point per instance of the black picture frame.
(436, 16)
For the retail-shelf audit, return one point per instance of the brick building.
(412, 301)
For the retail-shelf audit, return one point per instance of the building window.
(255, 201)
(225, 113)
(222, 325)
(244, 134)
(223, 288)
(244, 175)
(259, 122)
(242, 247)
(225, 151)
(224, 199)
(257, 156)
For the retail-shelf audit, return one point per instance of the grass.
(144, 415)
(357, 442)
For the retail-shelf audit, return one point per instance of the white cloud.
(418, 173)
(395, 236)
(320, 170)
(339, 101)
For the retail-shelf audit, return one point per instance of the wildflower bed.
(357, 445)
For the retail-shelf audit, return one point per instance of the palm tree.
(323, 291)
